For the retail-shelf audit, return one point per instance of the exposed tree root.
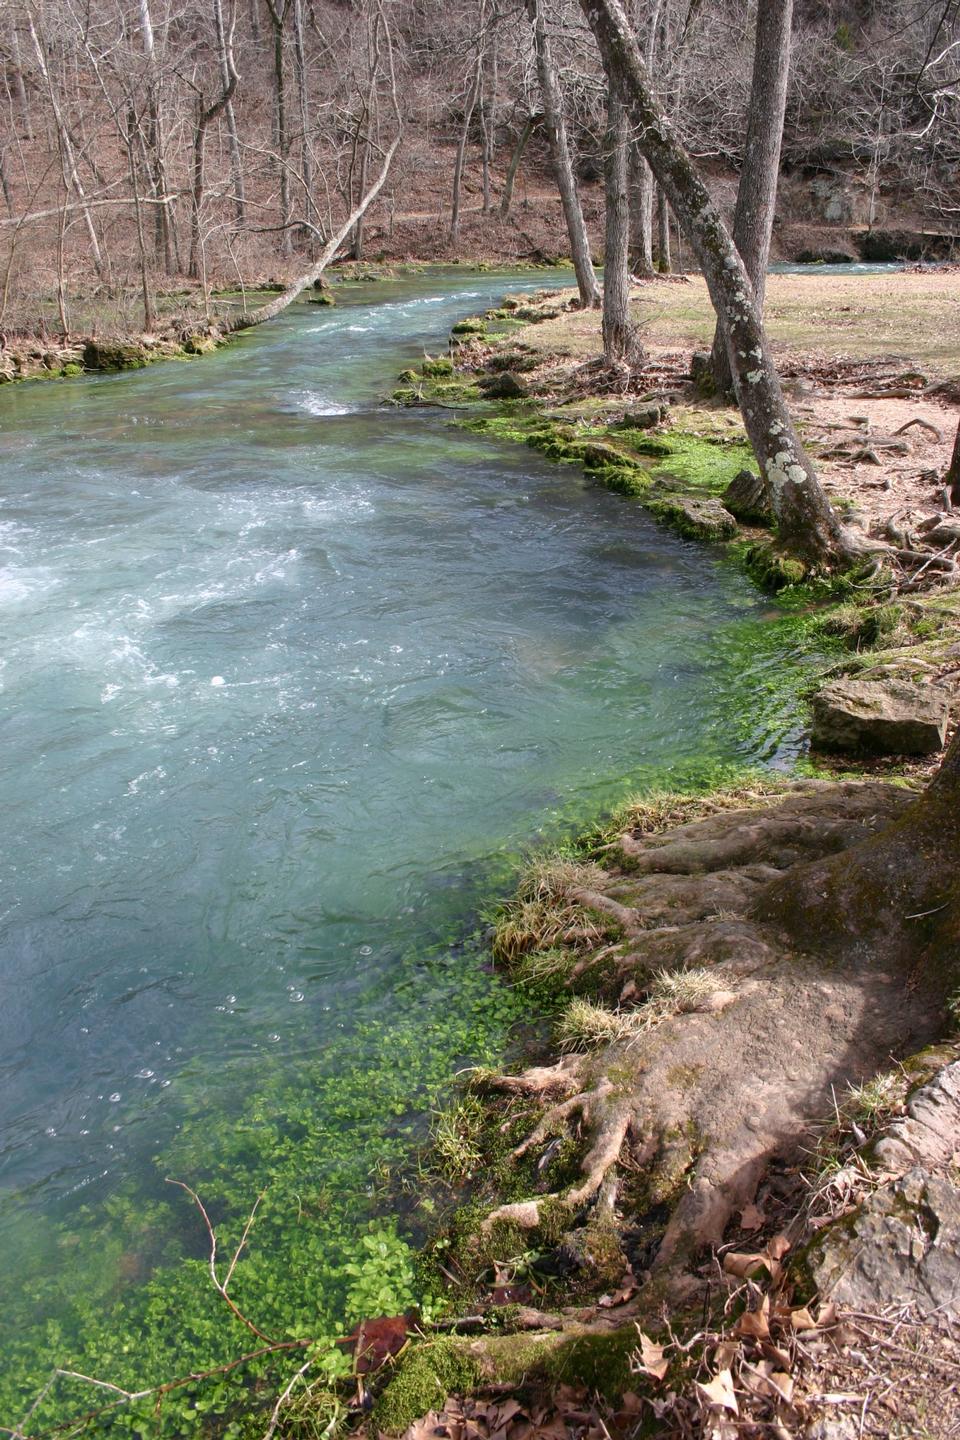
(829, 954)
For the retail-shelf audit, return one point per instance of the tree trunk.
(529, 125)
(206, 114)
(560, 150)
(18, 84)
(303, 102)
(229, 115)
(641, 207)
(805, 519)
(458, 167)
(757, 191)
(278, 15)
(663, 232)
(952, 477)
(619, 334)
(488, 121)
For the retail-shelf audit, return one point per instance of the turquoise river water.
(288, 678)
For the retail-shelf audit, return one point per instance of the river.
(289, 677)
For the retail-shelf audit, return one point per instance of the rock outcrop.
(880, 717)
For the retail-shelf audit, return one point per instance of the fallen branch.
(221, 1287)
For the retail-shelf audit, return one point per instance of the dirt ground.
(871, 365)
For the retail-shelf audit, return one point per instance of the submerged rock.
(880, 717)
(702, 517)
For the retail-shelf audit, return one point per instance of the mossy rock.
(113, 355)
(700, 517)
(504, 386)
(198, 344)
(600, 454)
(323, 297)
(434, 367)
(473, 326)
(67, 371)
(642, 417)
(771, 568)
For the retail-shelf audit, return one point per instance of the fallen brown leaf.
(719, 1391)
(652, 1360)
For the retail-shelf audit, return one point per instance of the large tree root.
(820, 991)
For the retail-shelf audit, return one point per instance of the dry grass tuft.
(663, 810)
(543, 918)
(584, 1023)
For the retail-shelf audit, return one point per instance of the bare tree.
(206, 114)
(556, 126)
(65, 145)
(805, 519)
(620, 345)
(757, 191)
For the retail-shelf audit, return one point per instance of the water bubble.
(164, 1084)
(231, 999)
(217, 680)
(366, 949)
(50, 1131)
(274, 1038)
(114, 1097)
(296, 997)
(143, 1075)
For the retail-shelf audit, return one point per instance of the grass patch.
(585, 1024)
(542, 917)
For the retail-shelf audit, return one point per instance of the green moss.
(601, 1363)
(72, 369)
(436, 367)
(472, 326)
(422, 1382)
(770, 568)
(862, 626)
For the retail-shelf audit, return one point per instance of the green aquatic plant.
(124, 1295)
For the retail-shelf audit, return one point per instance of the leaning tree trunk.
(560, 150)
(619, 334)
(805, 519)
(277, 306)
(757, 191)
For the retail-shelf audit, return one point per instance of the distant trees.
(144, 139)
